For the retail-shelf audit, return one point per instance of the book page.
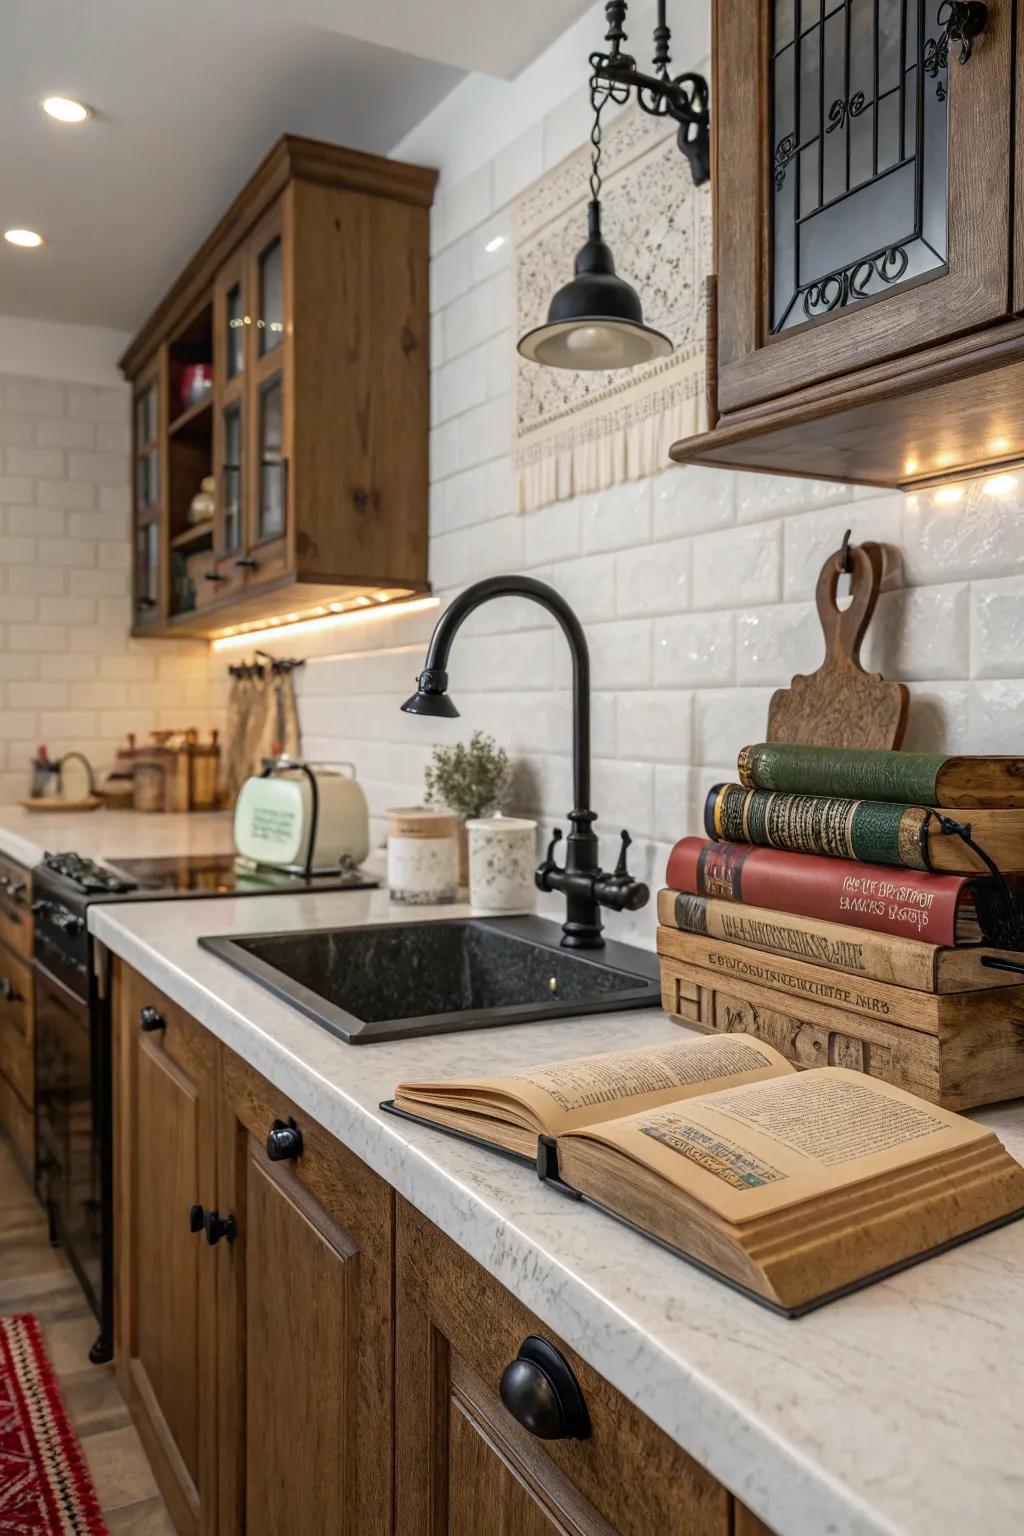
(752, 1149)
(587, 1089)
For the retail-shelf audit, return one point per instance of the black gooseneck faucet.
(585, 885)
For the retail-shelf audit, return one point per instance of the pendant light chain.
(602, 90)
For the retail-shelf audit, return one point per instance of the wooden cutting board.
(841, 705)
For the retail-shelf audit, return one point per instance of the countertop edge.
(721, 1435)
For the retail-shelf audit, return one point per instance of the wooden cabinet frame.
(972, 292)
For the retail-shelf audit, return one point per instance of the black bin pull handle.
(540, 1391)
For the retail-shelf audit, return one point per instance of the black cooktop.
(197, 874)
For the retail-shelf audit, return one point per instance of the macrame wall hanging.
(579, 432)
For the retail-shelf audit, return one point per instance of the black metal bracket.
(962, 21)
(684, 97)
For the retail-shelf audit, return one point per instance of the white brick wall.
(696, 587)
(69, 675)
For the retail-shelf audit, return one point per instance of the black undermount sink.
(401, 979)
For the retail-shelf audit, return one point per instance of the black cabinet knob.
(212, 1223)
(248, 562)
(218, 1226)
(542, 1394)
(8, 991)
(284, 1141)
(150, 1021)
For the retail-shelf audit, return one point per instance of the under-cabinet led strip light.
(321, 618)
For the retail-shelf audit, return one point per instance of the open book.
(795, 1187)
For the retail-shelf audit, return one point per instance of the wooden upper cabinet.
(864, 240)
(309, 306)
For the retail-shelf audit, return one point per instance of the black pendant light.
(596, 321)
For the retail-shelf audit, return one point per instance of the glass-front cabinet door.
(269, 489)
(232, 372)
(881, 185)
(147, 435)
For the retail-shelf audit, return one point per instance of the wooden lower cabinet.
(166, 1281)
(17, 1014)
(465, 1465)
(306, 1323)
(331, 1362)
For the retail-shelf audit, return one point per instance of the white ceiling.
(189, 95)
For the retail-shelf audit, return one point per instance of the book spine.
(870, 831)
(907, 905)
(908, 777)
(877, 957)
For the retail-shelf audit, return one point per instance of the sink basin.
(397, 980)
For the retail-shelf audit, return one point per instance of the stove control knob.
(40, 908)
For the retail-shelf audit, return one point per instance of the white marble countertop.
(27, 835)
(895, 1412)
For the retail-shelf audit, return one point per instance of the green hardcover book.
(873, 831)
(910, 778)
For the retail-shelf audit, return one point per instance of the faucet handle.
(547, 866)
(619, 890)
(621, 872)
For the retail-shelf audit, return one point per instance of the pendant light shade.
(596, 320)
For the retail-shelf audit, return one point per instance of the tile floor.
(37, 1278)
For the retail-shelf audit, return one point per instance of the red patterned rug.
(45, 1488)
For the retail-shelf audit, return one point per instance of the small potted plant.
(468, 779)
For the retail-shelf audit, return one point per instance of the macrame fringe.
(615, 443)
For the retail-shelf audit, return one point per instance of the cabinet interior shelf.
(198, 415)
(199, 533)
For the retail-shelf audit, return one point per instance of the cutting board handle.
(844, 627)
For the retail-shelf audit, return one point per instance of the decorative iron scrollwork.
(837, 289)
(961, 22)
(837, 112)
(785, 149)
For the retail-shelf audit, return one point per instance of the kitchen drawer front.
(326, 1170)
(158, 1019)
(17, 1120)
(15, 908)
(458, 1448)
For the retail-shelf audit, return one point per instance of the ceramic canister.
(423, 856)
(502, 855)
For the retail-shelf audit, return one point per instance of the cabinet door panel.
(299, 1471)
(305, 1326)
(838, 243)
(166, 1322)
(458, 1450)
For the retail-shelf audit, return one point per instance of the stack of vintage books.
(842, 909)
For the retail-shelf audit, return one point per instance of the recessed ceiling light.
(64, 109)
(26, 237)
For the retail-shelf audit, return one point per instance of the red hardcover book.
(938, 909)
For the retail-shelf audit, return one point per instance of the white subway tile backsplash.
(467, 203)
(738, 567)
(617, 518)
(997, 627)
(674, 793)
(95, 404)
(690, 498)
(518, 164)
(772, 644)
(75, 495)
(810, 537)
(621, 654)
(654, 578)
(963, 532)
(484, 431)
(728, 719)
(994, 712)
(655, 726)
(451, 273)
(920, 632)
(552, 533)
(693, 650)
(937, 720)
(45, 462)
(765, 496)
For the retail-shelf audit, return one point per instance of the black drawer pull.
(542, 1394)
(150, 1021)
(284, 1141)
(248, 562)
(213, 576)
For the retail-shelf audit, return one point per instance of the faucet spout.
(582, 881)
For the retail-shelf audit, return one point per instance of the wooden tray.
(56, 803)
